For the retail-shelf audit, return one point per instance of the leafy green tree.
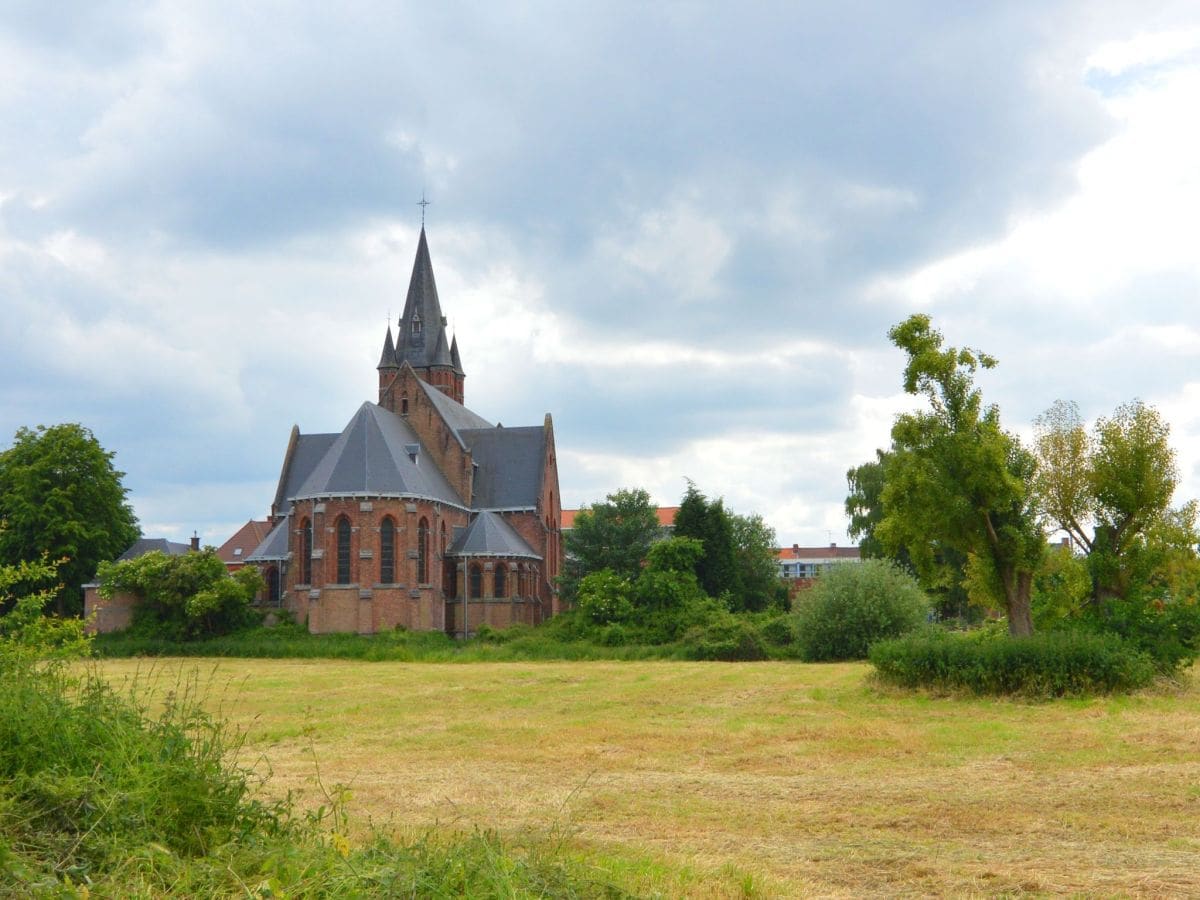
(955, 480)
(1111, 492)
(605, 598)
(708, 522)
(61, 499)
(864, 505)
(757, 566)
(26, 589)
(184, 597)
(614, 535)
(668, 580)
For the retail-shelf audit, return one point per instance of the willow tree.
(955, 480)
(1109, 490)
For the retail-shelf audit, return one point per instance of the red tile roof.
(832, 552)
(666, 516)
(244, 539)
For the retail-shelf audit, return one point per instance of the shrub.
(604, 597)
(1051, 664)
(779, 631)
(184, 597)
(853, 605)
(729, 639)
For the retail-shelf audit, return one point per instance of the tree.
(614, 535)
(1110, 491)
(757, 566)
(956, 480)
(708, 522)
(61, 499)
(183, 597)
(26, 589)
(864, 505)
(943, 577)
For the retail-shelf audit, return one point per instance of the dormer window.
(416, 324)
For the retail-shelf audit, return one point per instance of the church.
(420, 513)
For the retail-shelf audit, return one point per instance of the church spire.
(421, 338)
(388, 358)
(422, 322)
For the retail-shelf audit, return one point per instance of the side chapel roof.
(275, 545)
(490, 535)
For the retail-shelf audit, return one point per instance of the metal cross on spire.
(424, 203)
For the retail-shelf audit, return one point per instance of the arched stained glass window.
(306, 549)
(501, 580)
(387, 551)
(423, 551)
(475, 582)
(343, 550)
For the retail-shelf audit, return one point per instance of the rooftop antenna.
(424, 203)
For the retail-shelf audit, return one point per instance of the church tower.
(421, 338)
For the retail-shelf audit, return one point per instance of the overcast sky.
(682, 229)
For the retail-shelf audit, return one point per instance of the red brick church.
(420, 513)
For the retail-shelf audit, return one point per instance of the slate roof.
(371, 458)
(387, 360)
(243, 541)
(490, 535)
(420, 346)
(457, 416)
(310, 449)
(142, 546)
(509, 460)
(275, 545)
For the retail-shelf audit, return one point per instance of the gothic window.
(442, 542)
(416, 324)
(520, 579)
(306, 552)
(476, 581)
(387, 551)
(423, 551)
(343, 550)
(501, 580)
(273, 585)
(404, 406)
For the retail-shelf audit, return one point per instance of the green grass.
(289, 642)
(776, 779)
(102, 796)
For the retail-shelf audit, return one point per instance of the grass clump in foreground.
(96, 793)
(1050, 664)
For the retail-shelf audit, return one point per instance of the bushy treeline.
(966, 506)
(734, 559)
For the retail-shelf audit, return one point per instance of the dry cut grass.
(805, 776)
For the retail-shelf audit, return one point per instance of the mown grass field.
(689, 777)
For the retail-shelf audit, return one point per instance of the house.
(420, 513)
(800, 565)
(235, 550)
